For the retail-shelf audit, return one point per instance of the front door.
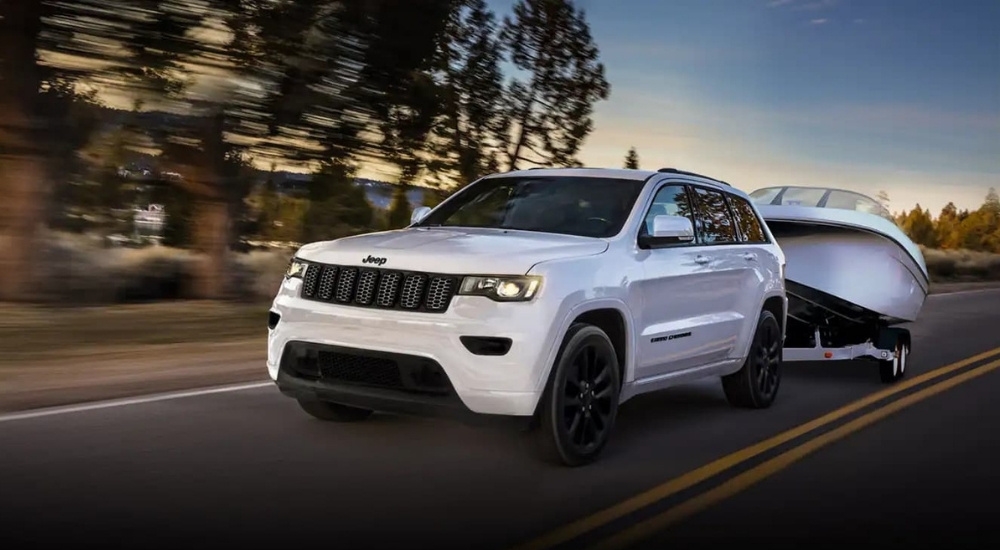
(676, 295)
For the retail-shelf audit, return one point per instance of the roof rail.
(686, 173)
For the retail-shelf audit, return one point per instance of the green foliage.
(337, 208)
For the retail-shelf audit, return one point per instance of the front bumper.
(375, 358)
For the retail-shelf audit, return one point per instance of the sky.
(869, 95)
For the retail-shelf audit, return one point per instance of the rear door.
(728, 273)
(763, 264)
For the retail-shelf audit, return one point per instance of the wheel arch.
(610, 315)
(777, 304)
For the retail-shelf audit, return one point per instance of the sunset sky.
(895, 95)
(869, 95)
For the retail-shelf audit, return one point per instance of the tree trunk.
(202, 168)
(23, 175)
(515, 155)
(211, 239)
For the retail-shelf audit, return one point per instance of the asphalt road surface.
(917, 463)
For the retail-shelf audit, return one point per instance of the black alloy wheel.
(755, 386)
(580, 406)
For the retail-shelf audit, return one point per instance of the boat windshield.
(820, 197)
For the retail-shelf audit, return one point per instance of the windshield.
(583, 206)
(821, 197)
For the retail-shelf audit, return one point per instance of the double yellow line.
(648, 527)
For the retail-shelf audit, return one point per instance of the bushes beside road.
(77, 270)
(962, 265)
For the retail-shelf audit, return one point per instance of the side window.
(714, 225)
(747, 220)
(671, 200)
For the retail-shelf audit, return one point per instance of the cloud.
(777, 3)
(860, 21)
(816, 5)
(822, 21)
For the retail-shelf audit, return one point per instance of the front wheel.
(580, 404)
(755, 386)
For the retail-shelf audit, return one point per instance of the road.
(248, 468)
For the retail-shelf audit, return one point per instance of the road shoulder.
(96, 374)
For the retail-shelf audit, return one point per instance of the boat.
(852, 275)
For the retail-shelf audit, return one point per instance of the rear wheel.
(580, 404)
(333, 412)
(755, 386)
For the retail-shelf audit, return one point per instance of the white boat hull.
(862, 268)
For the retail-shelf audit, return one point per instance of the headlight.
(296, 268)
(501, 288)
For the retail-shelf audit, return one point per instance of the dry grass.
(32, 333)
(962, 265)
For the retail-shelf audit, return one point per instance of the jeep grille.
(378, 288)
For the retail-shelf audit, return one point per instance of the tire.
(580, 404)
(893, 371)
(333, 412)
(755, 386)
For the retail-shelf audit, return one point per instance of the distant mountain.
(379, 193)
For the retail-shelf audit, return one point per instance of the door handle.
(749, 257)
(701, 259)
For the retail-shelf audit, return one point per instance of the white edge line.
(67, 409)
(960, 292)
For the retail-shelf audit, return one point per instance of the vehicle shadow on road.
(859, 371)
(657, 410)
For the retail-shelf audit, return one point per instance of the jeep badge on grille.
(373, 260)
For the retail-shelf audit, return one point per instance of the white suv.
(550, 295)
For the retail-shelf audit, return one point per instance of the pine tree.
(30, 135)
(947, 227)
(550, 109)
(632, 159)
(472, 123)
(992, 202)
(919, 226)
(883, 199)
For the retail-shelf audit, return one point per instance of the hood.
(452, 250)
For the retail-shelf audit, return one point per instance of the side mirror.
(419, 213)
(668, 230)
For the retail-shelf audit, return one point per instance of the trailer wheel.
(898, 340)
